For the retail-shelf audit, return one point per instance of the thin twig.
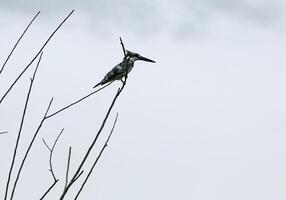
(46, 145)
(29, 148)
(66, 107)
(68, 167)
(47, 41)
(20, 129)
(18, 41)
(123, 48)
(94, 141)
(49, 189)
(51, 154)
(57, 139)
(4, 132)
(98, 157)
(78, 176)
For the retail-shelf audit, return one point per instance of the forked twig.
(98, 157)
(94, 141)
(18, 41)
(51, 150)
(51, 154)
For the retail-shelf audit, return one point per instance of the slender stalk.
(20, 129)
(72, 104)
(29, 148)
(31, 62)
(98, 157)
(18, 41)
(49, 189)
(68, 167)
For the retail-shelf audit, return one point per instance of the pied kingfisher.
(122, 69)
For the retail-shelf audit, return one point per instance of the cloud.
(158, 16)
(262, 12)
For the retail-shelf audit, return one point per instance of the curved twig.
(51, 154)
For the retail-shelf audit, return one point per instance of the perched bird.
(122, 69)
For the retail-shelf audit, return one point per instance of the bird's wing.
(113, 74)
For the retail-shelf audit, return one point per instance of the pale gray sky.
(158, 17)
(207, 121)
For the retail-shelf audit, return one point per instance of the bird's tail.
(97, 85)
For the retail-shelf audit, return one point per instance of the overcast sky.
(207, 121)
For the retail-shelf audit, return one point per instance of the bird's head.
(136, 56)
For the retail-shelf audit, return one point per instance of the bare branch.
(68, 167)
(68, 106)
(47, 41)
(20, 129)
(98, 157)
(18, 41)
(29, 148)
(49, 189)
(4, 132)
(51, 154)
(123, 48)
(94, 141)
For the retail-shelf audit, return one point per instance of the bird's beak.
(145, 59)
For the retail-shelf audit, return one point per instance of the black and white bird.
(122, 69)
